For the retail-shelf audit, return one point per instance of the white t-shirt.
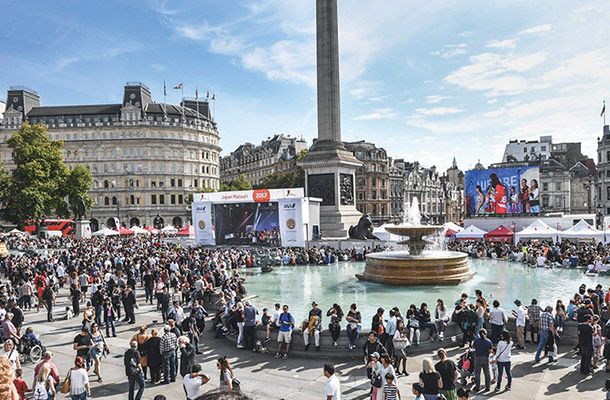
(13, 356)
(276, 317)
(192, 386)
(333, 388)
(78, 380)
(540, 260)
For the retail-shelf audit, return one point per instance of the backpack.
(47, 294)
(40, 391)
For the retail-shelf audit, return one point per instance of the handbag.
(235, 383)
(65, 388)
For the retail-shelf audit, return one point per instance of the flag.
(179, 86)
(197, 93)
(117, 224)
(214, 97)
(603, 110)
(164, 89)
(208, 95)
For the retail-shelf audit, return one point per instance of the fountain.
(416, 266)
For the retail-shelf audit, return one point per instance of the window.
(106, 201)
(608, 173)
(153, 183)
(374, 209)
(180, 199)
(114, 201)
(545, 186)
(542, 148)
(161, 199)
(374, 194)
(172, 182)
(557, 185)
(607, 156)
(179, 182)
(173, 199)
(373, 182)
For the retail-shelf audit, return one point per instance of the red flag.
(214, 97)
(179, 86)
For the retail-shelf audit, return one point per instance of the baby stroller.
(466, 366)
(29, 350)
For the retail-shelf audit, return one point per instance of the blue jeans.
(559, 322)
(544, 337)
(139, 379)
(169, 366)
(509, 377)
(82, 396)
(432, 327)
(110, 324)
(353, 334)
(49, 310)
(480, 322)
(99, 312)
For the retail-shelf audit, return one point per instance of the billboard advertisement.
(514, 190)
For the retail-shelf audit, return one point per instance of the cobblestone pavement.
(264, 377)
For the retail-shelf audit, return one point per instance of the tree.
(76, 187)
(240, 183)
(40, 182)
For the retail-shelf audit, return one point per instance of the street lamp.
(158, 224)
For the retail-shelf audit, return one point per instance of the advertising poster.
(514, 190)
(202, 222)
(291, 223)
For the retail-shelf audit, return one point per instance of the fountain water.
(416, 267)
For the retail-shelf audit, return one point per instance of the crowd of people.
(103, 276)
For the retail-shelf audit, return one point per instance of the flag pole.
(604, 112)
(164, 102)
(197, 98)
(182, 102)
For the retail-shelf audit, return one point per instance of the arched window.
(114, 201)
(106, 201)
(106, 184)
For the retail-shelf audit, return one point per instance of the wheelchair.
(29, 350)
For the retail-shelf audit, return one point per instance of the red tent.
(125, 231)
(151, 229)
(500, 234)
(450, 233)
(187, 231)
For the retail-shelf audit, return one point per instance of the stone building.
(397, 189)
(453, 187)
(554, 187)
(425, 184)
(145, 157)
(528, 150)
(274, 155)
(603, 171)
(583, 188)
(372, 180)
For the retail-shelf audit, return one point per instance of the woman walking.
(441, 318)
(401, 342)
(79, 381)
(141, 338)
(503, 357)
(75, 296)
(241, 320)
(44, 384)
(187, 355)
(597, 341)
(386, 368)
(97, 351)
(226, 373)
(431, 380)
(153, 355)
(336, 315)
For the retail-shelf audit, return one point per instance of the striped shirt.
(391, 392)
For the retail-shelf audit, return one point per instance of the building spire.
(454, 164)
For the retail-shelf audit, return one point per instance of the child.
(69, 314)
(493, 363)
(266, 321)
(390, 391)
(463, 394)
(22, 387)
(418, 391)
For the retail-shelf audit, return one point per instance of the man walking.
(333, 386)
(482, 347)
(167, 347)
(129, 302)
(286, 322)
(546, 329)
(585, 340)
(133, 370)
(48, 295)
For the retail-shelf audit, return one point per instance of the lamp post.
(158, 224)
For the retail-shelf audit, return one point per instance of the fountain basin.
(429, 268)
(416, 235)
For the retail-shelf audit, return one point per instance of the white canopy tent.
(105, 232)
(382, 234)
(16, 232)
(139, 231)
(472, 233)
(537, 230)
(583, 230)
(453, 227)
(169, 229)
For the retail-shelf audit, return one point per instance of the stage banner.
(202, 222)
(291, 222)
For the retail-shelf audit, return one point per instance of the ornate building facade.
(274, 155)
(426, 185)
(372, 181)
(145, 157)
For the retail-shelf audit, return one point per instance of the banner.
(513, 190)
(202, 222)
(291, 222)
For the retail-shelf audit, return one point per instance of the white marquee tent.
(105, 232)
(470, 233)
(169, 229)
(537, 230)
(139, 231)
(583, 230)
(453, 227)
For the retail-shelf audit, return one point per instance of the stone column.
(327, 40)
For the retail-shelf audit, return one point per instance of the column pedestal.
(83, 229)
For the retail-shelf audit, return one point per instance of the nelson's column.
(330, 168)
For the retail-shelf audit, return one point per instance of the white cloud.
(502, 44)
(380, 113)
(283, 62)
(433, 99)
(451, 50)
(437, 111)
(536, 29)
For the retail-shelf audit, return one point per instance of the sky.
(427, 81)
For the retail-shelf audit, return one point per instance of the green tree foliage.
(240, 183)
(40, 183)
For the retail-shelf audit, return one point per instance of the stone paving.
(264, 377)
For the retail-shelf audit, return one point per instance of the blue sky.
(424, 80)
